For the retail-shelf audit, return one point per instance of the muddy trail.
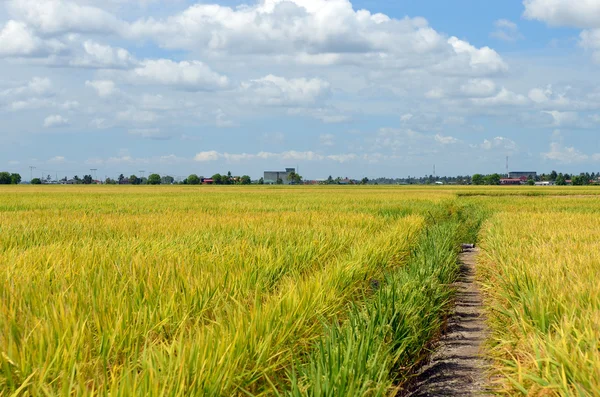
(456, 368)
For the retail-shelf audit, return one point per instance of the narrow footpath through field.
(456, 367)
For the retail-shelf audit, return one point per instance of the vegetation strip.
(383, 339)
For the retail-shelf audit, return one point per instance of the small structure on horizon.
(271, 177)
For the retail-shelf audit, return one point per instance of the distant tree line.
(584, 178)
(9, 179)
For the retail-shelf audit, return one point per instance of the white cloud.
(55, 121)
(62, 16)
(503, 98)
(478, 88)
(104, 88)
(445, 140)
(480, 61)
(36, 87)
(564, 155)
(579, 13)
(150, 133)
(207, 156)
(317, 32)
(96, 55)
(562, 119)
(499, 142)
(186, 75)
(506, 30)
(18, 40)
(278, 91)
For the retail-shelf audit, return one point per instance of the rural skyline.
(361, 88)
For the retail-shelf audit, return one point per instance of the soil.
(456, 366)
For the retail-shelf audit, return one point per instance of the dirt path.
(456, 368)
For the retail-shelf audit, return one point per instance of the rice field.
(212, 291)
(288, 291)
(541, 272)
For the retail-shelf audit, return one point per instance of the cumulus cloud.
(62, 16)
(581, 14)
(18, 40)
(478, 88)
(498, 142)
(278, 91)
(96, 55)
(36, 87)
(564, 154)
(563, 119)
(54, 121)
(503, 98)
(104, 88)
(185, 75)
(318, 32)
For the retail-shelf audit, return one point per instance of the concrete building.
(271, 177)
(520, 174)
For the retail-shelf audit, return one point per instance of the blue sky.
(364, 88)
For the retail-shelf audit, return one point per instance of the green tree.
(364, 181)
(261, 181)
(167, 180)
(477, 179)
(134, 180)
(193, 180)
(217, 179)
(5, 178)
(580, 180)
(245, 180)
(294, 178)
(36, 181)
(87, 180)
(15, 179)
(560, 180)
(493, 179)
(553, 176)
(530, 182)
(121, 178)
(279, 181)
(154, 179)
(330, 180)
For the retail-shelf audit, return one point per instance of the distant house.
(544, 183)
(207, 181)
(271, 177)
(510, 181)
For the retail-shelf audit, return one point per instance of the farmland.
(320, 291)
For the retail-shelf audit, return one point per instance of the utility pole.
(507, 172)
(31, 168)
(434, 171)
